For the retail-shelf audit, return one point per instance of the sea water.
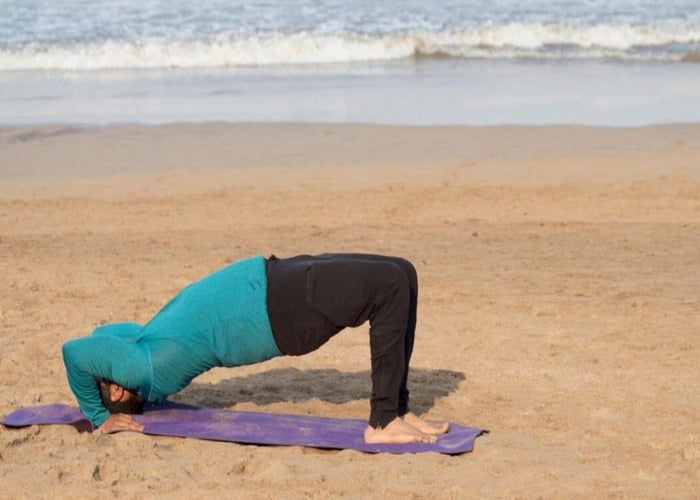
(615, 62)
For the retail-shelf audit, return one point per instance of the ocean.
(447, 62)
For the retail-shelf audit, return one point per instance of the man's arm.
(89, 359)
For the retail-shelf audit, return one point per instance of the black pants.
(311, 298)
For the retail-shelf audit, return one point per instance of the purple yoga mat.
(174, 419)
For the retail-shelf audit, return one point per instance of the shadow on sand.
(330, 385)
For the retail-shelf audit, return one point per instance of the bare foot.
(398, 432)
(426, 427)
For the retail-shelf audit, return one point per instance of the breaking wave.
(540, 40)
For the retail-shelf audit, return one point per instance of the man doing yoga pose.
(250, 311)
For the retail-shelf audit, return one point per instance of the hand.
(121, 422)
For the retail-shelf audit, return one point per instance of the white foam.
(300, 48)
(513, 40)
(539, 35)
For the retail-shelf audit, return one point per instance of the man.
(251, 311)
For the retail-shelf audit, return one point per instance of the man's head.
(118, 399)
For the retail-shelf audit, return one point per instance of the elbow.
(65, 350)
(68, 351)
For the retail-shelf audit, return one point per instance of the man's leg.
(429, 428)
(310, 299)
(412, 276)
(342, 290)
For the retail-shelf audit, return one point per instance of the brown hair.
(133, 406)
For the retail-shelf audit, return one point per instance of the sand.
(559, 307)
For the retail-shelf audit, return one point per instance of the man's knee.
(393, 281)
(408, 269)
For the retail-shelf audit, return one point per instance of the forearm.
(83, 377)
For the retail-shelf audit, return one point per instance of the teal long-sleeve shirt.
(220, 320)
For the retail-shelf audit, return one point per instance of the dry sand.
(559, 308)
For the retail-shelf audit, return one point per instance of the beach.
(558, 308)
